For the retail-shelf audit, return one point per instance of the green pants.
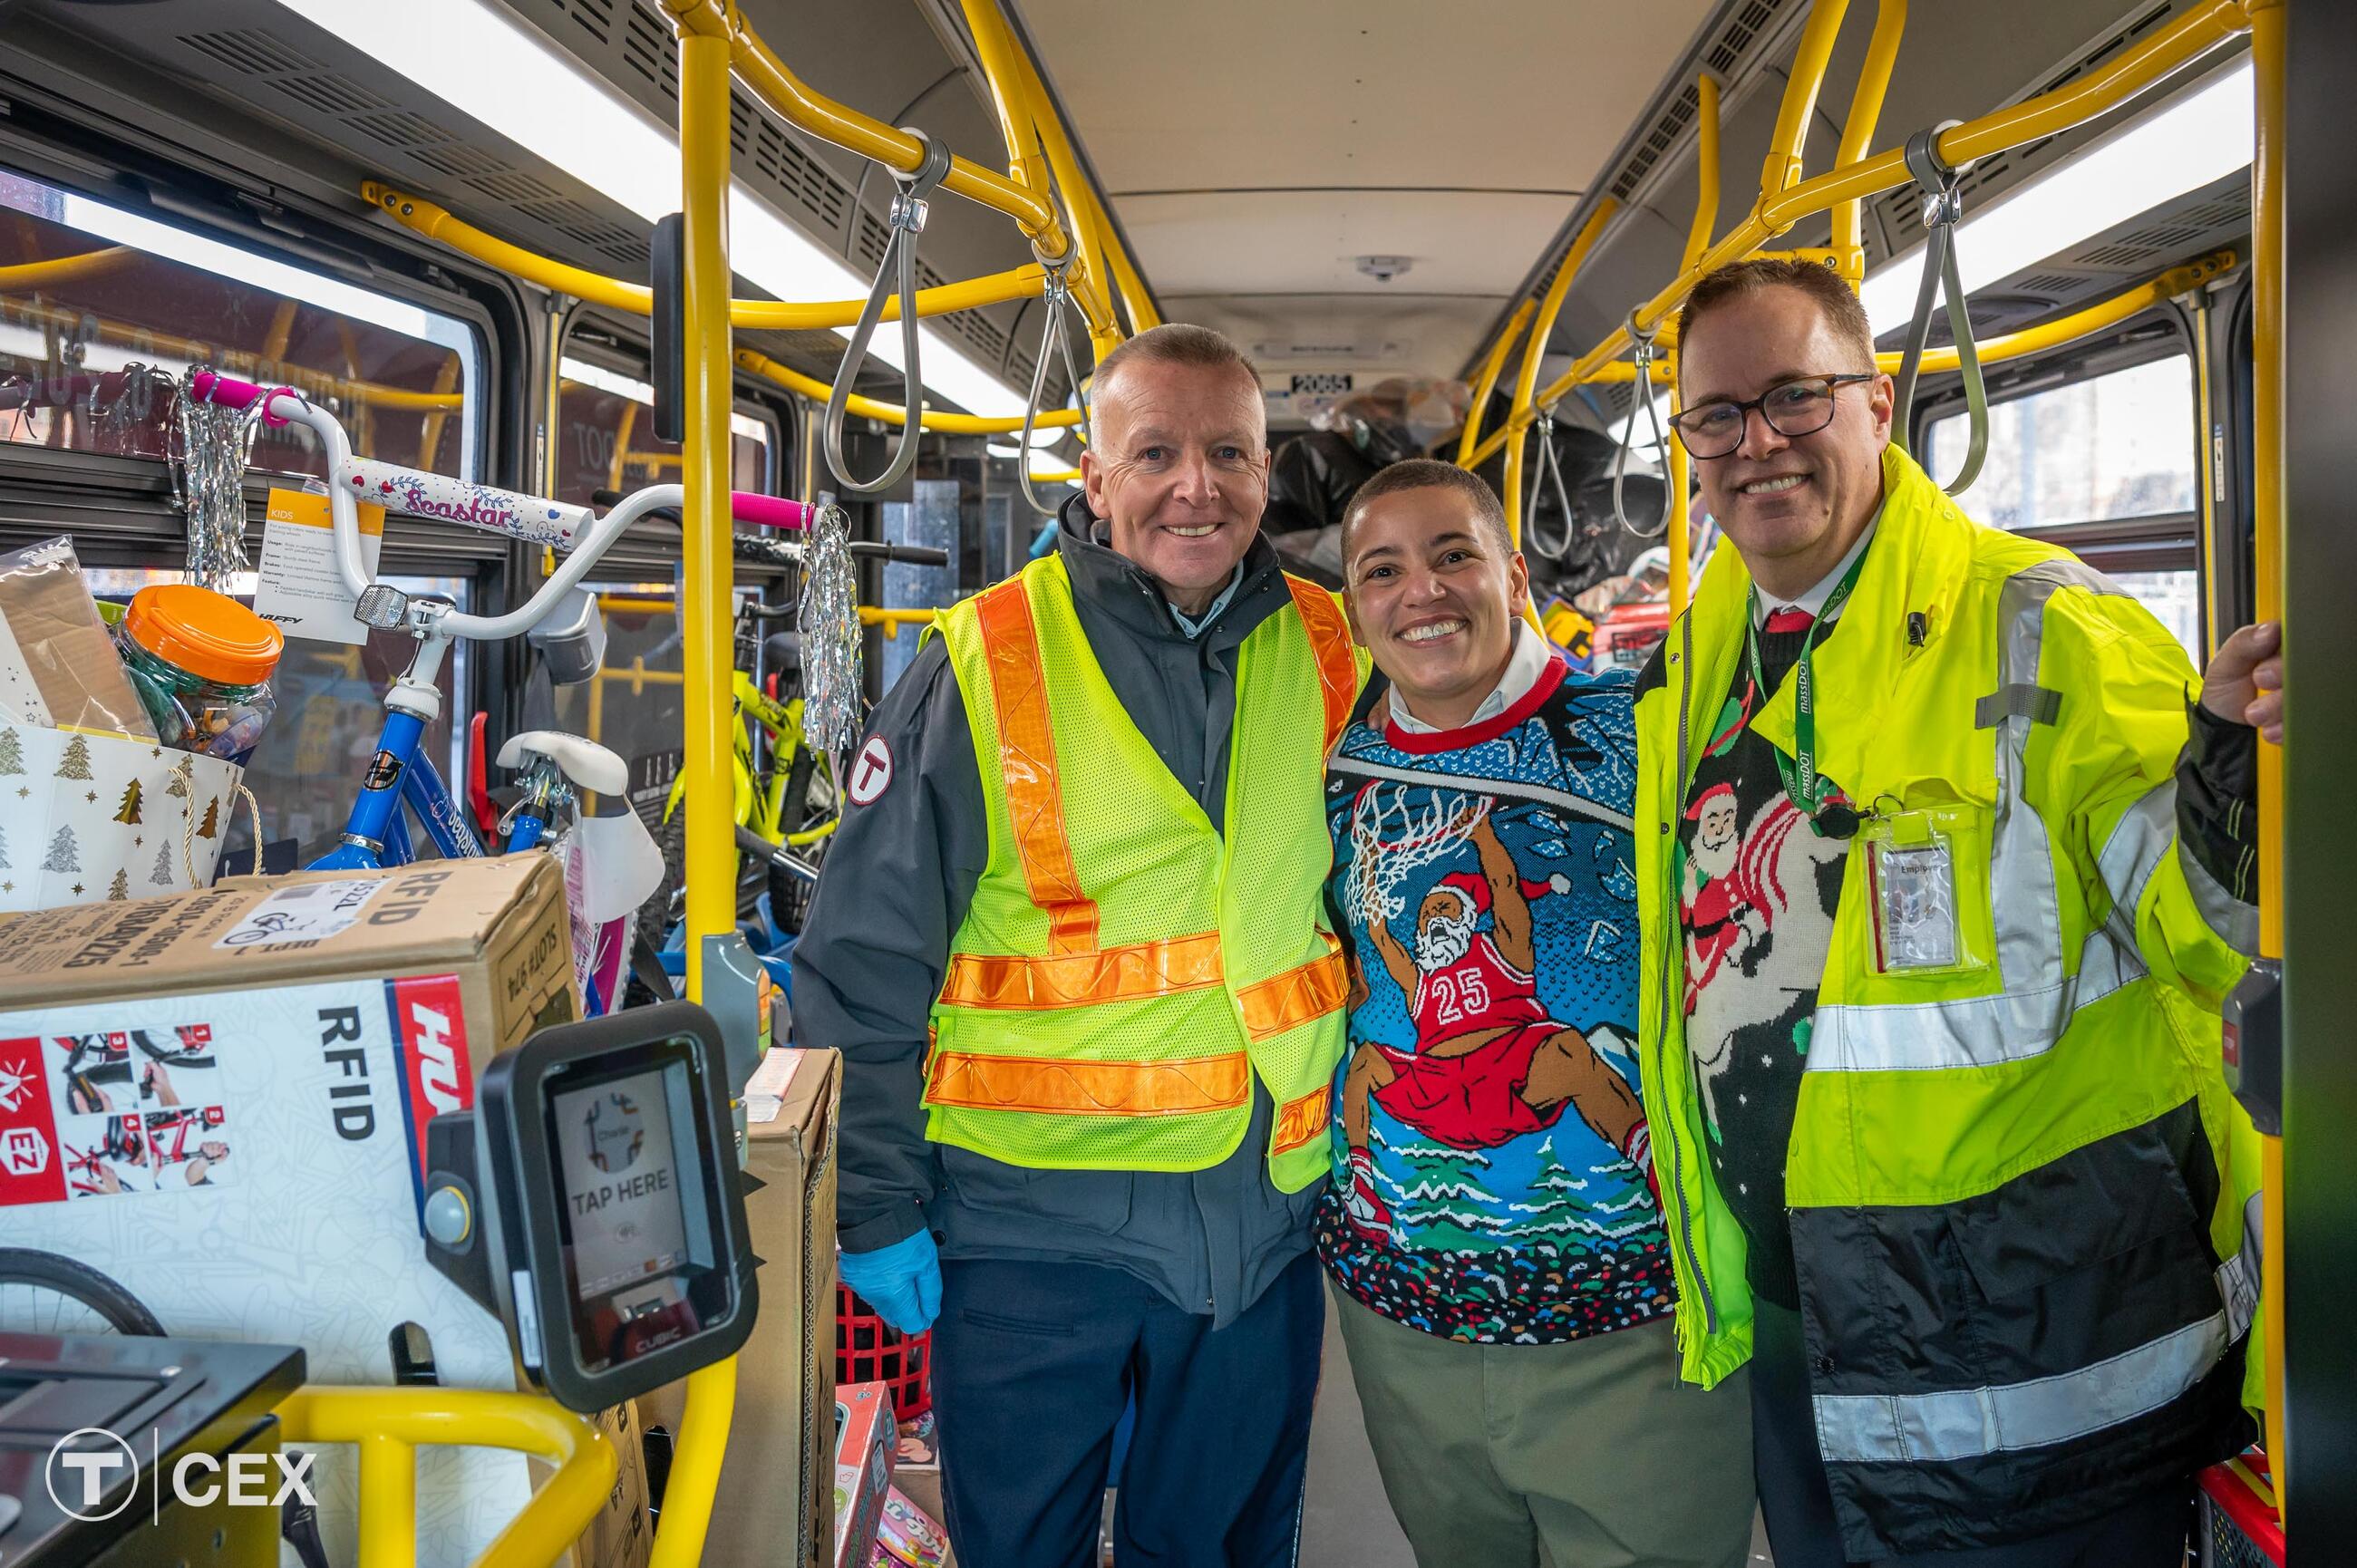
(1589, 1455)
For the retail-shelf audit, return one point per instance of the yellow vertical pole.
(1678, 465)
(704, 659)
(711, 842)
(388, 1502)
(1526, 379)
(2267, 473)
(1488, 382)
(1858, 132)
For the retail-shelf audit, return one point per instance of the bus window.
(2112, 447)
(606, 439)
(95, 289)
(2175, 601)
(635, 707)
(331, 709)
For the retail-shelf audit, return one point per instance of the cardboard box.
(621, 1536)
(218, 1100)
(866, 1438)
(776, 1507)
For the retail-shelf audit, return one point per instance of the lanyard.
(1804, 785)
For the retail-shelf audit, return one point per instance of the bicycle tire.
(124, 1313)
(671, 840)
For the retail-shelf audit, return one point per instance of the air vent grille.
(651, 53)
(1729, 56)
(250, 52)
(1899, 210)
(514, 189)
(1727, 50)
(1659, 140)
(400, 129)
(330, 94)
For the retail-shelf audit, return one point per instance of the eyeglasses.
(1802, 406)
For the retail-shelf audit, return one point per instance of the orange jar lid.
(207, 634)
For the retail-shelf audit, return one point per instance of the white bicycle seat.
(585, 763)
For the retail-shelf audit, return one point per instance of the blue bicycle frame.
(402, 772)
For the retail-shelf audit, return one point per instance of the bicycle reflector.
(590, 1201)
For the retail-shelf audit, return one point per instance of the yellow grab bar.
(893, 620)
(1526, 379)
(2080, 323)
(2185, 39)
(1015, 86)
(67, 269)
(770, 80)
(416, 213)
(391, 1424)
(1486, 384)
(1678, 468)
(1857, 134)
(302, 378)
(761, 365)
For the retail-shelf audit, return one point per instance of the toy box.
(865, 1438)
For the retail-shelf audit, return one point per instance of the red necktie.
(1788, 620)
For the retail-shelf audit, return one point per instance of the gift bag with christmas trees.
(86, 817)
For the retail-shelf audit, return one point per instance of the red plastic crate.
(2239, 1525)
(869, 1350)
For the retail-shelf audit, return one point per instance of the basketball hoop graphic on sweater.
(1391, 840)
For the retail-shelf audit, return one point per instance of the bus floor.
(1345, 1521)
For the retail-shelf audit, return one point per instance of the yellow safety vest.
(2018, 1189)
(1123, 968)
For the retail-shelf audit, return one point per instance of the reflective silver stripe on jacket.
(1972, 1423)
(2036, 997)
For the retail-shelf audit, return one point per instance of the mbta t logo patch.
(871, 771)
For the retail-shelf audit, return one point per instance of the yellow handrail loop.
(898, 267)
(1640, 393)
(1052, 337)
(1944, 206)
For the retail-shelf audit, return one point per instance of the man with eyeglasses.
(1943, 881)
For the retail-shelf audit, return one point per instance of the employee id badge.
(1911, 868)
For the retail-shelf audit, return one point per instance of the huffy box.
(776, 1505)
(217, 1098)
(866, 1437)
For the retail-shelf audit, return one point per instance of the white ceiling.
(1255, 148)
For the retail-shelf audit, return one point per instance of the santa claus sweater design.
(1489, 1150)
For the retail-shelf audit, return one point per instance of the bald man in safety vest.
(1089, 1003)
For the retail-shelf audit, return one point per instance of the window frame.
(2162, 542)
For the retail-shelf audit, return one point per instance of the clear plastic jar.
(201, 663)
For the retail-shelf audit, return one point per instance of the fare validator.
(591, 1200)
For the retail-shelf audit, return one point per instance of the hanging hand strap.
(1057, 296)
(1943, 207)
(1641, 395)
(1544, 465)
(899, 268)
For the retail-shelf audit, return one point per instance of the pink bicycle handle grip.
(211, 386)
(769, 511)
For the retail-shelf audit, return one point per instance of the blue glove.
(901, 1282)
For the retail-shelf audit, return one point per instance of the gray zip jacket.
(898, 877)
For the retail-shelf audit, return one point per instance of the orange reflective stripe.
(1299, 1120)
(1329, 641)
(1027, 761)
(1062, 1086)
(1305, 992)
(1070, 980)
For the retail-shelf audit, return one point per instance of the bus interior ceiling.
(1359, 190)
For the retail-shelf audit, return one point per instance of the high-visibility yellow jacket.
(2018, 1190)
(1125, 970)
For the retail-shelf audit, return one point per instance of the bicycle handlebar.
(529, 518)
